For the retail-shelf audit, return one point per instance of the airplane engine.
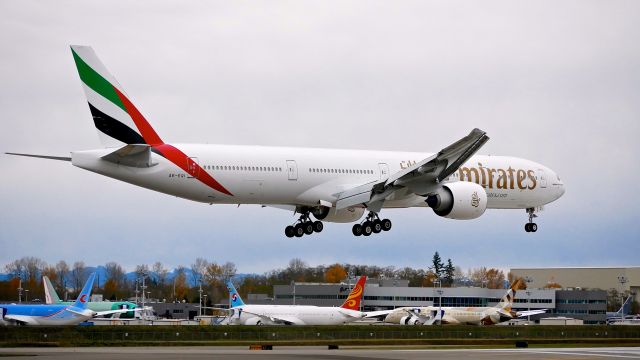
(491, 319)
(410, 320)
(254, 321)
(347, 215)
(459, 200)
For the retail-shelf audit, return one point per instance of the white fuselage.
(305, 176)
(451, 315)
(292, 314)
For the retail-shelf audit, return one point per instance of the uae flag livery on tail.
(119, 122)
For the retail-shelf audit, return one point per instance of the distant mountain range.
(101, 276)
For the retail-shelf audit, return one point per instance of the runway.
(313, 353)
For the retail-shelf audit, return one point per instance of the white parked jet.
(245, 314)
(332, 185)
(430, 315)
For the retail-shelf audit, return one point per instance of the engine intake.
(459, 200)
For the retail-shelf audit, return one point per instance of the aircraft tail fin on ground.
(234, 298)
(51, 296)
(353, 300)
(83, 298)
(506, 303)
(118, 121)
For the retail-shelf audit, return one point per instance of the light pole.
(439, 291)
(293, 284)
(622, 280)
(143, 287)
(528, 306)
(26, 295)
(200, 300)
(205, 303)
(528, 280)
(20, 292)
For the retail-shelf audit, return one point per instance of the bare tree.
(161, 274)
(198, 269)
(62, 271)
(79, 276)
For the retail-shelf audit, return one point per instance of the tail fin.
(506, 303)
(50, 294)
(117, 119)
(83, 297)
(234, 298)
(353, 300)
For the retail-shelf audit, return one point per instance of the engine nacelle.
(410, 320)
(254, 321)
(347, 215)
(459, 200)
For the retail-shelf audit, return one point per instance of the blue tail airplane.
(55, 314)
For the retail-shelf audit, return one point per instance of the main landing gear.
(372, 224)
(304, 226)
(531, 226)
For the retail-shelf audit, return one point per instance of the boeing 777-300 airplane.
(329, 184)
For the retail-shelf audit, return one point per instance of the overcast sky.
(557, 82)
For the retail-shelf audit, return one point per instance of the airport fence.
(224, 335)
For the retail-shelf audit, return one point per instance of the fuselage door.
(292, 170)
(543, 178)
(192, 167)
(384, 171)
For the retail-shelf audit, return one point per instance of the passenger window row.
(340, 171)
(243, 168)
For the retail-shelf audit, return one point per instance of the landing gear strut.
(531, 226)
(371, 225)
(304, 226)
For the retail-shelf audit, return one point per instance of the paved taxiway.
(312, 353)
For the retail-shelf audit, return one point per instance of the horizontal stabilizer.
(61, 158)
(131, 155)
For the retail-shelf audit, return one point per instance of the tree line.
(183, 283)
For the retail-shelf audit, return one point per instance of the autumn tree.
(335, 273)
(180, 284)
(495, 278)
(115, 283)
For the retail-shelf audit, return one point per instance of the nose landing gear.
(371, 225)
(531, 226)
(304, 226)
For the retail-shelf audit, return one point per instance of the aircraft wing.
(25, 319)
(379, 313)
(530, 312)
(422, 178)
(118, 311)
(285, 320)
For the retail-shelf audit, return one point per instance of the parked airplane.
(329, 184)
(244, 314)
(57, 314)
(51, 297)
(430, 315)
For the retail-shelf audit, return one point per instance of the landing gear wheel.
(298, 230)
(386, 224)
(318, 226)
(527, 227)
(367, 228)
(357, 230)
(289, 231)
(533, 227)
(308, 228)
(376, 226)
